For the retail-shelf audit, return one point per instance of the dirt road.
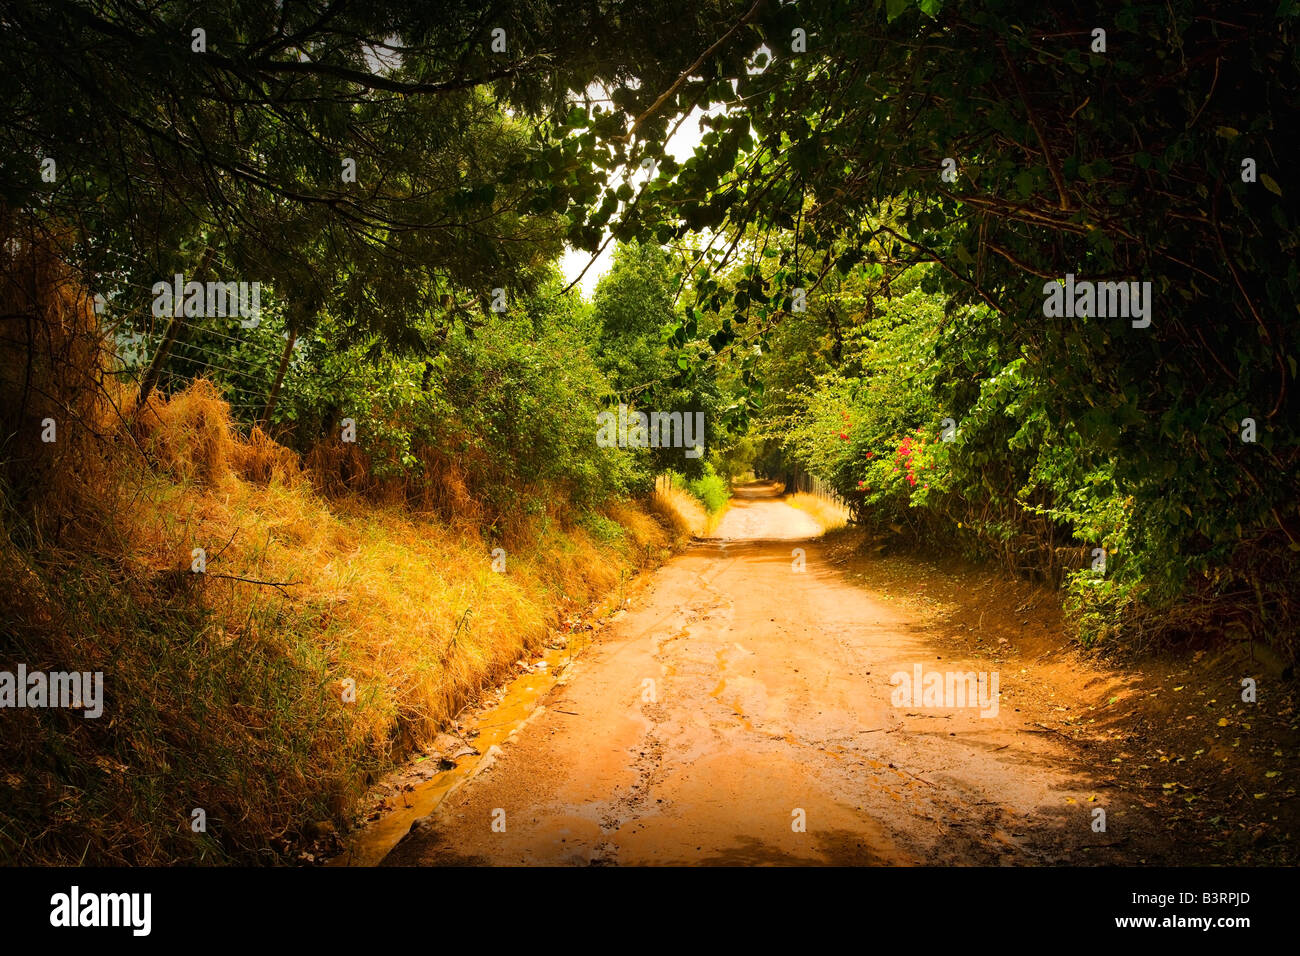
(741, 713)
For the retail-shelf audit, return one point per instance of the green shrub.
(711, 488)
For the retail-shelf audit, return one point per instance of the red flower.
(844, 435)
(868, 454)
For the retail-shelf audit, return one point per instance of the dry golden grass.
(261, 459)
(411, 609)
(228, 685)
(822, 510)
(189, 434)
(684, 512)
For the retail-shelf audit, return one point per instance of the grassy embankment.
(825, 512)
(229, 691)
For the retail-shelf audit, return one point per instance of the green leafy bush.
(711, 488)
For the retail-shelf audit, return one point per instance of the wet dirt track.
(740, 697)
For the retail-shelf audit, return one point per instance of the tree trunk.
(279, 379)
(175, 330)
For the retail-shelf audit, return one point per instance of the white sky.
(681, 145)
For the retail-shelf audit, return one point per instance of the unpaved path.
(742, 696)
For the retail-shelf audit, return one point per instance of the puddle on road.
(369, 844)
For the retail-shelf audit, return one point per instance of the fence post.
(174, 329)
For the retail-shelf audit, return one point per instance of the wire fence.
(213, 349)
(805, 483)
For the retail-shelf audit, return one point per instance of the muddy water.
(486, 731)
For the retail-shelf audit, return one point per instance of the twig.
(1020, 264)
(686, 73)
(226, 545)
(461, 623)
(1052, 167)
(1046, 730)
(278, 585)
(914, 776)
